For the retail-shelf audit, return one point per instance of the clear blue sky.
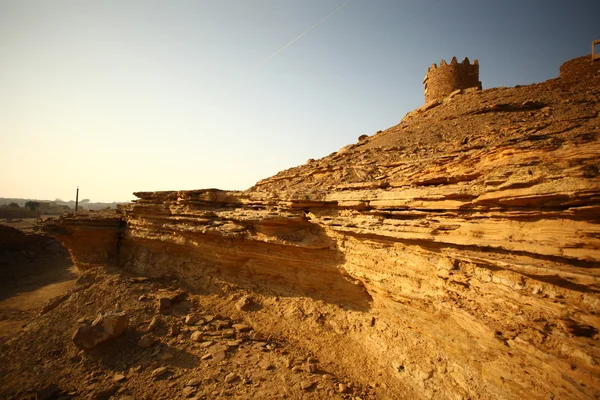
(118, 96)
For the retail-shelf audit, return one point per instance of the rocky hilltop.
(455, 255)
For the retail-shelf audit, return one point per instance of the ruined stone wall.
(581, 68)
(445, 79)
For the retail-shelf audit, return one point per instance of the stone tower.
(445, 79)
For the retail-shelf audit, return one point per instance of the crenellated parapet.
(441, 81)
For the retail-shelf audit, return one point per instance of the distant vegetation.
(37, 204)
(33, 205)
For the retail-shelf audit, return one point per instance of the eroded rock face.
(460, 248)
(91, 238)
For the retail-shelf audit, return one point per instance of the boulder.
(105, 327)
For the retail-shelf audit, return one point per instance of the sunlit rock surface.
(454, 255)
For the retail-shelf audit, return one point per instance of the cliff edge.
(455, 255)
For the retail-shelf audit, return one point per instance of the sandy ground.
(31, 275)
(16, 310)
(23, 224)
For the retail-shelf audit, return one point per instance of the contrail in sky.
(251, 70)
(302, 34)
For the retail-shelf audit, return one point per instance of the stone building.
(441, 81)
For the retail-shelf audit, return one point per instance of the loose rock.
(241, 327)
(188, 391)
(191, 319)
(104, 327)
(312, 368)
(164, 304)
(105, 394)
(158, 372)
(53, 303)
(244, 303)
(153, 324)
(228, 333)
(219, 355)
(146, 341)
(231, 377)
(194, 382)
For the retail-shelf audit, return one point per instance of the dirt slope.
(544, 117)
(159, 357)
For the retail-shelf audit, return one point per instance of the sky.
(118, 96)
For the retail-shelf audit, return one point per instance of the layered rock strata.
(91, 238)
(455, 255)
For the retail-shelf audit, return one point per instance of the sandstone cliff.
(454, 255)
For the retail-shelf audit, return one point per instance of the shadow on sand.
(29, 262)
